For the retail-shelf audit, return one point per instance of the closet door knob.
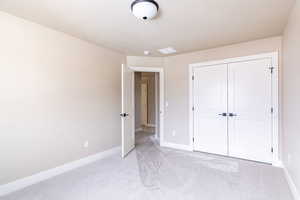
(223, 114)
(232, 115)
(124, 114)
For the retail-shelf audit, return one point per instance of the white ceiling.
(186, 25)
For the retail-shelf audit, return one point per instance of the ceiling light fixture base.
(144, 9)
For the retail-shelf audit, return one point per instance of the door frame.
(275, 96)
(161, 109)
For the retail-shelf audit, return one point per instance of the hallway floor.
(151, 172)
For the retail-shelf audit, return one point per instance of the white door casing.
(210, 108)
(249, 101)
(127, 115)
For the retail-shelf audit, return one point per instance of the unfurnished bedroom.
(149, 99)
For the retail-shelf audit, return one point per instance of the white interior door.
(210, 109)
(249, 102)
(128, 137)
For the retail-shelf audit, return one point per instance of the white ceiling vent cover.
(168, 50)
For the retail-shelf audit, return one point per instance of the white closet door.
(210, 101)
(249, 98)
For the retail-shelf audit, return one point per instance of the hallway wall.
(137, 99)
(149, 79)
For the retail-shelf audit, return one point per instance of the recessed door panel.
(249, 108)
(210, 108)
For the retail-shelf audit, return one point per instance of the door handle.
(232, 115)
(124, 114)
(223, 114)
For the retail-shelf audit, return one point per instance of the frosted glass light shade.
(144, 9)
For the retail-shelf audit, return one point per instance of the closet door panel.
(249, 101)
(210, 101)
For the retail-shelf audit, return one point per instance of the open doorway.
(146, 98)
(142, 105)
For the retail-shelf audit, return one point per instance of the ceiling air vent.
(169, 50)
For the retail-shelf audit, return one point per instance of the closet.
(233, 109)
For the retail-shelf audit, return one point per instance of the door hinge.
(193, 108)
(272, 150)
(193, 77)
(193, 139)
(272, 69)
(272, 110)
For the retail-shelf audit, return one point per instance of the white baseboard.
(277, 163)
(138, 129)
(44, 175)
(151, 125)
(291, 184)
(177, 146)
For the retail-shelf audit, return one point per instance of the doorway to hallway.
(146, 100)
(142, 104)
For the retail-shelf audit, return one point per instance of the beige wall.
(149, 77)
(137, 99)
(140, 61)
(151, 100)
(56, 92)
(291, 95)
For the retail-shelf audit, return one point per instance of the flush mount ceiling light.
(144, 9)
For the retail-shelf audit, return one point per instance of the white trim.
(44, 175)
(146, 69)
(191, 104)
(275, 105)
(122, 109)
(133, 108)
(138, 129)
(151, 125)
(278, 163)
(291, 184)
(275, 93)
(161, 95)
(176, 146)
(238, 59)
